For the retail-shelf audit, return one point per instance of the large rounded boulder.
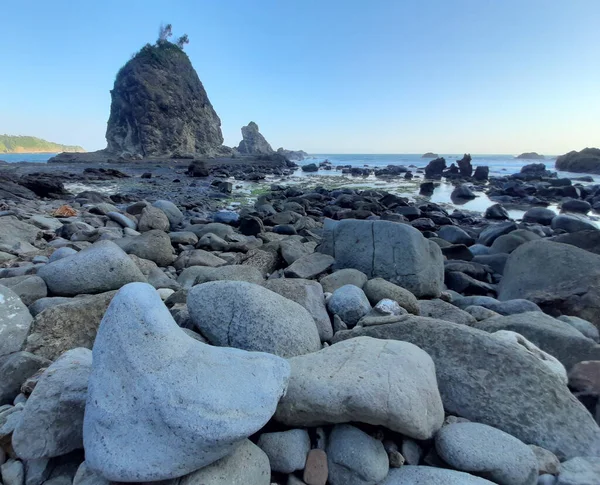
(560, 278)
(395, 252)
(251, 317)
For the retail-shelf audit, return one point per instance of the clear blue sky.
(327, 76)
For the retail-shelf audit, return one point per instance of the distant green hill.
(31, 144)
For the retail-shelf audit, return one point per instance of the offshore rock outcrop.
(586, 161)
(160, 107)
(253, 143)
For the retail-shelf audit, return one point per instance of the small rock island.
(530, 156)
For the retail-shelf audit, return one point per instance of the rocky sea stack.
(530, 156)
(160, 107)
(253, 143)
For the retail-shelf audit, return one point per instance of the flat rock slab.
(187, 404)
(427, 475)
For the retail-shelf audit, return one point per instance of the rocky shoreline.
(316, 336)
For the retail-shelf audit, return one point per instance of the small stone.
(582, 470)
(396, 459)
(316, 470)
(13, 472)
(547, 461)
(411, 451)
(350, 303)
(286, 450)
(355, 458)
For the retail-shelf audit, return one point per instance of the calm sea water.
(26, 157)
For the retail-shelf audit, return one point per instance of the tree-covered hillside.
(31, 144)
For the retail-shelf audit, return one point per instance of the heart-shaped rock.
(161, 404)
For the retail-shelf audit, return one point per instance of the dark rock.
(430, 155)
(455, 235)
(462, 283)
(534, 168)
(481, 173)
(160, 108)
(253, 143)
(507, 243)
(496, 211)
(494, 231)
(426, 188)
(464, 165)
(494, 261)
(457, 251)
(44, 185)
(560, 278)
(572, 223)
(462, 192)
(575, 205)
(435, 168)
(198, 168)
(586, 161)
(251, 226)
(539, 215)
(423, 224)
(588, 240)
(311, 167)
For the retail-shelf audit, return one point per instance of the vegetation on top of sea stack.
(31, 144)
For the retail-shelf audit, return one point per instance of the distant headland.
(31, 144)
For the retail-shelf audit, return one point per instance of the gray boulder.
(522, 396)
(250, 317)
(455, 235)
(13, 472)
(560, 278)
(286, 450)
(247, 465)
(310, 295)
(349, 303)
(395, 252)
(52, 421)
(253, 143)
(236, 272)
(309, 266)
(198, 257)
(350, 381)
(61, 253)
(474, 447)
(573, 223)
(87, 476)
(101, 267)
(44, 303)
(379, 289)
(15, 322)
(171, 210)
(494, 231)
(153, 245)
(445, 311)
(132, 436)
(355, 458)
(585, 327)
(13, 231)
(582, 470)
(539, 215)
(67, 326)
(153, 218)
(292, 250)
(427, 475)
(183, 237)
(341, 277)
(28, 287)
(507, 243)
(217, 228)
(558, 338)
(15, 369)
(122, 220)
(509, 307)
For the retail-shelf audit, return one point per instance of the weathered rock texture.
(160, 108)
(587, 161)
(253, 143)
